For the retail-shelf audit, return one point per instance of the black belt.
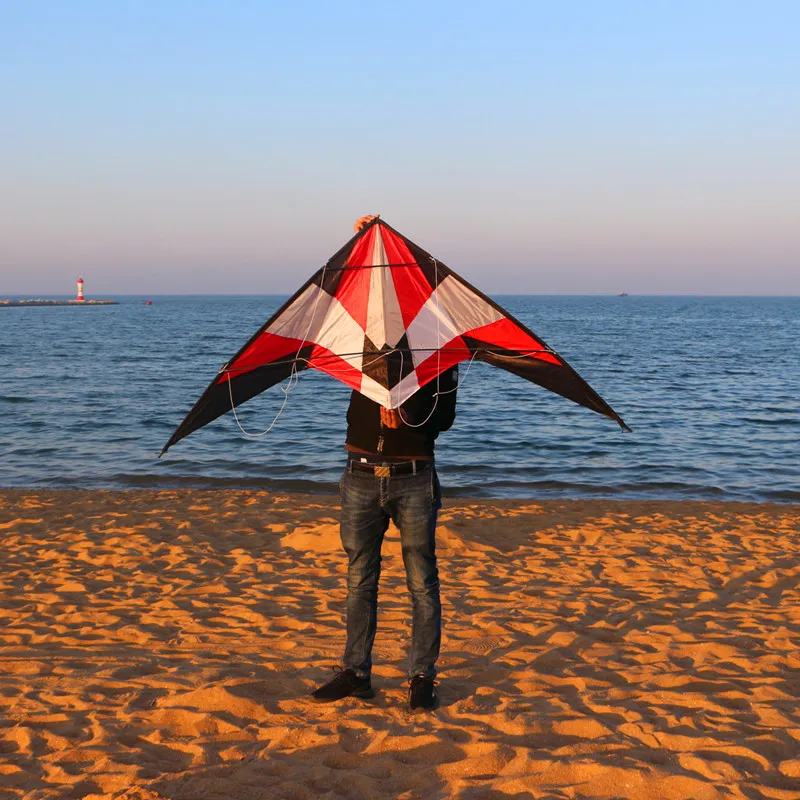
(387, 470)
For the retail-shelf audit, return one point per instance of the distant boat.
(622, 294)
(148, 302)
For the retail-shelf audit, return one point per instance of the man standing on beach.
(391, 475)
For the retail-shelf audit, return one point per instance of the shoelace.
(342, 675)
(417, 679)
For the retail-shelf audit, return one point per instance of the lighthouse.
(80, 297)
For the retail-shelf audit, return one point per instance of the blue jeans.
(412, 503)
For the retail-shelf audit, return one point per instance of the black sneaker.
(345, 684)
(422, 694)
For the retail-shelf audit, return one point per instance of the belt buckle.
(382, 471)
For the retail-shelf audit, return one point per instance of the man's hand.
(362, 222)
(390, 417)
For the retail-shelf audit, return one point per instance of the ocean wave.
(780, 421)
(122, 480)
(782, 495)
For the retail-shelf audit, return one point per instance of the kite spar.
(385, 317)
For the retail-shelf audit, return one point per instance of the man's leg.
(363, 525)
(415, 502)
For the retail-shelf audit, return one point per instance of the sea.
(709, 385)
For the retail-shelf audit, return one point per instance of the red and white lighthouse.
(80, 297)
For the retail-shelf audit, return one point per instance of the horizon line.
(26, 295)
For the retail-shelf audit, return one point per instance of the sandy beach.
(161, 644)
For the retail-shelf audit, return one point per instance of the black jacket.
(433, 414)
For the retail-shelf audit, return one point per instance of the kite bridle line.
(438, 355)
(293, 375)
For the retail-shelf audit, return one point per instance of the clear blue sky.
(532, 146)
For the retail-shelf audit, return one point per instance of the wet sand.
(161, 645)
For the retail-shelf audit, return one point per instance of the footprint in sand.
(486, 644)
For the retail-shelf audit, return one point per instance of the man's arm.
(420, 410)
